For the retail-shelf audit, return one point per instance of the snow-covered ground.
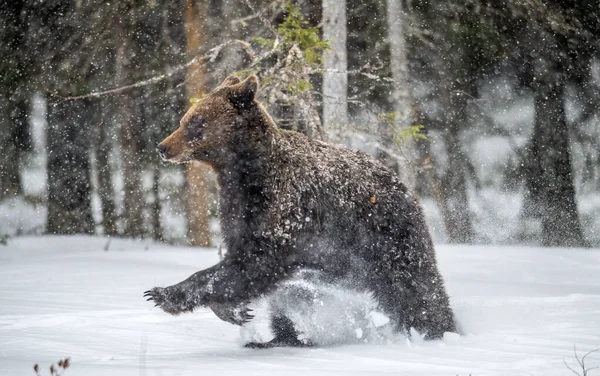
(522, 310)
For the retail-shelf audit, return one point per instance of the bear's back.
(325, 163)
(332, 177)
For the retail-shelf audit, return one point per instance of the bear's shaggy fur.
(288, 202)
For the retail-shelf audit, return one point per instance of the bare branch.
(209, 57)
(265, 22)
(242, 20)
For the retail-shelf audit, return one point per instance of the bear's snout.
(174, 148)
(162, 151)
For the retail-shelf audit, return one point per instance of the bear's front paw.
(170, 300)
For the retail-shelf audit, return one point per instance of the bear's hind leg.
(296, 296)
(421, 304)
(285, 335)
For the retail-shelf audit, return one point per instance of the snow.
(521, 310)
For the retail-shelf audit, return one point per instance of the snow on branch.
(209, 57)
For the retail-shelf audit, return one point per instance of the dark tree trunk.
(130, 159)
(549, 180)
(456, 73)
(156, 209)
(130, 130)
(13, 131)
(455, 204)
(69, 187)
(19, 113)
(15, 71)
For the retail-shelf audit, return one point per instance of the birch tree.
(401, 97)
(335, 63)
(102, 139)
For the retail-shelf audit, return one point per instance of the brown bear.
(289, 203)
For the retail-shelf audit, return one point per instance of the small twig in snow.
(581, 362)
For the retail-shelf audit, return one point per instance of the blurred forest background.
(488, 109)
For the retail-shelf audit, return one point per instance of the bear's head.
(209, 126)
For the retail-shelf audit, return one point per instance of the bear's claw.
(236, 314)
(170, 301)
(156, 294)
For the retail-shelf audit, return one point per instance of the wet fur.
(288, 202)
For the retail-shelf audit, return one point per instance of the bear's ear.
(230, 80)
(242, 94)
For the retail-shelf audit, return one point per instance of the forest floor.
(522, 310)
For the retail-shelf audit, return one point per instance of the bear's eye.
(193, 130)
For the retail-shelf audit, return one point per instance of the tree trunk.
(455, 203)
(13, 124)
(130, 132)
(456, 77)
(335, 61)
(195, 173)
(69, 185)
(401, 97)
(105, 183)
(156, 208)
(15, 78)
(549, 181)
